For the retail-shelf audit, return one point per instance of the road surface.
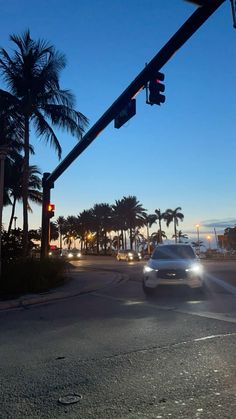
(118, 354)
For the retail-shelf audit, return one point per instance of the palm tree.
(11, 135)
(61, 226)
(198, 244)
(54, 234)
(155, 237)
(86, 222)
(173, 216)
(119, 224)
(181, 235)
(102, 218)
(32, 76)
(15, 186)
(72, 230)
(134, 215)
(159, 216)
(150, 220)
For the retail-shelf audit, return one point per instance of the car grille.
(172, 274)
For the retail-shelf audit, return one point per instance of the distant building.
(223, 241)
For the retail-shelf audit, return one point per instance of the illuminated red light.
(51, 207)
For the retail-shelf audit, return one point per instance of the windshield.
(173, 252)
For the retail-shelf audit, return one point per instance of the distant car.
(72, 254)
(54, 252)
(173, 264)
(128, 255)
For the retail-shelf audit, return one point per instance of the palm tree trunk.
(175, 231)
(118, 240)
(122, 239)
(160, 235)
(60, 235)
(25, 187)
(131, 238)
(12, 216)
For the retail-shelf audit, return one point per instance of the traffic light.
(155, 88)
(51, 209)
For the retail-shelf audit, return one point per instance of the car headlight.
(70, 255)
(50, 254)
(78, 255)
(130, 254)
(194, 268)
(147, 269)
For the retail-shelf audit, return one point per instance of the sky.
(180, 154)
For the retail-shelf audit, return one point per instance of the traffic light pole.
(185, 32)
(45, 216)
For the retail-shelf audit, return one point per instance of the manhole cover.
(70, 399)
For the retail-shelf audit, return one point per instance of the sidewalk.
(78, 283)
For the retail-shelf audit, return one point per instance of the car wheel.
(147, 290)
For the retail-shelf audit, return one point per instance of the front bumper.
(192, 280)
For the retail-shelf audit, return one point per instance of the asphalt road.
(171, 356)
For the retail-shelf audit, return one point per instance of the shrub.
(32, 276)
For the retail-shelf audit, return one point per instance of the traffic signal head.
(155, 88)
(51, 209)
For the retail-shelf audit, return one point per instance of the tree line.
(116, 226)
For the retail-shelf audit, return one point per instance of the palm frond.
(43, 129)
(66, 118)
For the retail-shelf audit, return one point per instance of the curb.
(49, 296)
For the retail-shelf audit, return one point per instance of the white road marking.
(214, 336)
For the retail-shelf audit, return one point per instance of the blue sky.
(179, 154)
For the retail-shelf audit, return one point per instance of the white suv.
(173, 264)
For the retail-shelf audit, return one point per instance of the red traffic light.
(51, 207)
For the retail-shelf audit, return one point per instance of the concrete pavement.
(77, 282)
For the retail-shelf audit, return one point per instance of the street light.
(198, 241)
(209, 241)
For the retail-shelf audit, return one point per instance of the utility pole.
(45, 216)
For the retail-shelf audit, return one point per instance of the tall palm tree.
(72, 228)
(174, 216)
(102, 218)
(134, 215)
(159, 216)
(149, 221)
(32, 75)
(86, 222)
(119, 223)
(61, 226)
(15, 186)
